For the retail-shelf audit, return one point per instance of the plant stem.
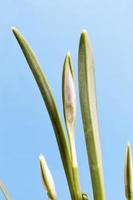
(75, 169)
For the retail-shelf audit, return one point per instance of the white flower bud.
(69, 94)
(47, 178)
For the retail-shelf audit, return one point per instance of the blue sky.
(52, 28)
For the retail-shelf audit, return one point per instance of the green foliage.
(4, 191)
(51, 107)
(128, 174)
(88, 104)
(87, 92)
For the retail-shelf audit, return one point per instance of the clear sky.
(52, 28)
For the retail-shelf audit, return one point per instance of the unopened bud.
(69, 94)
(47, 178)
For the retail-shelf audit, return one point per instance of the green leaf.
(50, 104)
(4, 191)
(87, 92)
(128, 174)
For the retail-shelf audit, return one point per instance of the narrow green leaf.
(69, 108)
(88, 106)
(128, 174)
(50, 104)
(4, 191)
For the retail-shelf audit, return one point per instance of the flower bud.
(69, 94)
(47, 178)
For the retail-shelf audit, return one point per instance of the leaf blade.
(128, 173)
(87, 93)
(50, 105)
(4, 191)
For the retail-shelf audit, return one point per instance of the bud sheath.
(69, 106)
(69, 95)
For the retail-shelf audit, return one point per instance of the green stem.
(75, 169)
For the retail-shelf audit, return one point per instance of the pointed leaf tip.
(68, 63)
(14, 30)
(128, 153)
(128, 173)
(68, 54)
(84, 31)
(128, 145)
(40, 156)
(84, 36)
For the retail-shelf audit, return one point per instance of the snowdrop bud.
(47, 178)
(128, 173)
(69, 94)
